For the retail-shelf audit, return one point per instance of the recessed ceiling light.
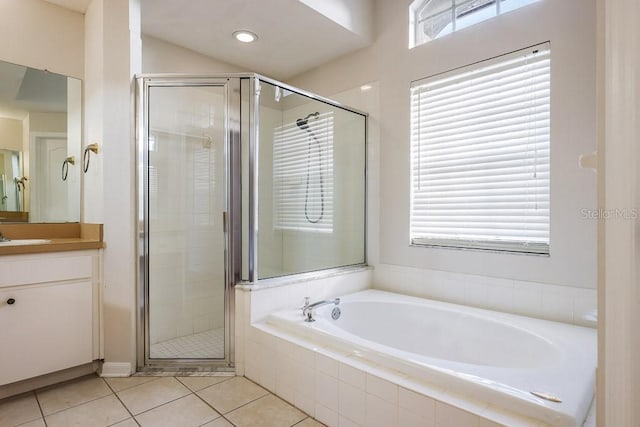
(365, 87)
(245, 36)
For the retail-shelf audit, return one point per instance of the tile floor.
(204, 345)
(152, 401)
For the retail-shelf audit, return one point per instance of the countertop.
(63, 237)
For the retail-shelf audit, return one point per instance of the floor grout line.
(44, 420)
(131, 416)
(121, 402)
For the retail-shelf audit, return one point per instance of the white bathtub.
(493, 357)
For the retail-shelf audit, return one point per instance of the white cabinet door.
(44, 328)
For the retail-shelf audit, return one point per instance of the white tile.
(353, 376)
(407, 418)
(449, 416)
(380, 413)
(285, 348)
(285, 374)
(352, 403)
(326, 416)
(475, 293)
(382, 388)
(304, 403)
(499, 294)
(483, 422)
(527, 298)
(304, 380)
(499, 416)
(305, 356)
(557, 303)
(251, 371)
(417, 403)
(327, 365)
(327, 391)
(346, 422)
(585, 307)
(286, 392)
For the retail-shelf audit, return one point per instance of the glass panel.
(434, 27)
(311, 184)
(474, 11)
(433, 7)
(187, 199)
(509, 5)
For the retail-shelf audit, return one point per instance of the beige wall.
(11, 134)
(570, 26)
(159, 56)
(41, 35)
(113, 57)
(48, 122)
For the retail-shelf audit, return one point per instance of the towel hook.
(65, 166)
(86, 157)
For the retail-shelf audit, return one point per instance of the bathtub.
(492, 357)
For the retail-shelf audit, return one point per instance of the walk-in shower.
(240, 178)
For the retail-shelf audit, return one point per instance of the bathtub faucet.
(307, 309)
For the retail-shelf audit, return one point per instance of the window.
(480, 155)
(303, 174)
(430, 19)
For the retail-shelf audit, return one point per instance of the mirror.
(40, 140)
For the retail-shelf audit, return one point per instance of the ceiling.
(293, 35)
(25, 89)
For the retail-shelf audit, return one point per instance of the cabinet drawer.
(44, 328)
(21, 270)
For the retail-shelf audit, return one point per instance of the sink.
(20, 242)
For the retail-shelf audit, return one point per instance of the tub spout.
(307, 309)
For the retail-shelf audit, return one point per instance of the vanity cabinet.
(49, 313)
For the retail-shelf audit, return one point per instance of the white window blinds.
(480, 155)
(303, 175)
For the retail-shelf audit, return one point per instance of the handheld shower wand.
(303, 124)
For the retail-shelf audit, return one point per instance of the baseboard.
(115, 369)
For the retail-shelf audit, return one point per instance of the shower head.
(304, 123)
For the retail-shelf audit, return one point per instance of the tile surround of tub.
(341, 390)
(550, 302)
(273, 298)
(254, 302)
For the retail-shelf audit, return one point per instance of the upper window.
(480, 155)
(303, 174)
(430, 19)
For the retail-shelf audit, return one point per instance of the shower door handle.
(224, 221)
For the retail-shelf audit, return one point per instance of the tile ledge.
(299, 278)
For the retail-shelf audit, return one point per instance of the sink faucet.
(307, 309)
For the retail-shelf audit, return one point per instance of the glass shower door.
(185, 215)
